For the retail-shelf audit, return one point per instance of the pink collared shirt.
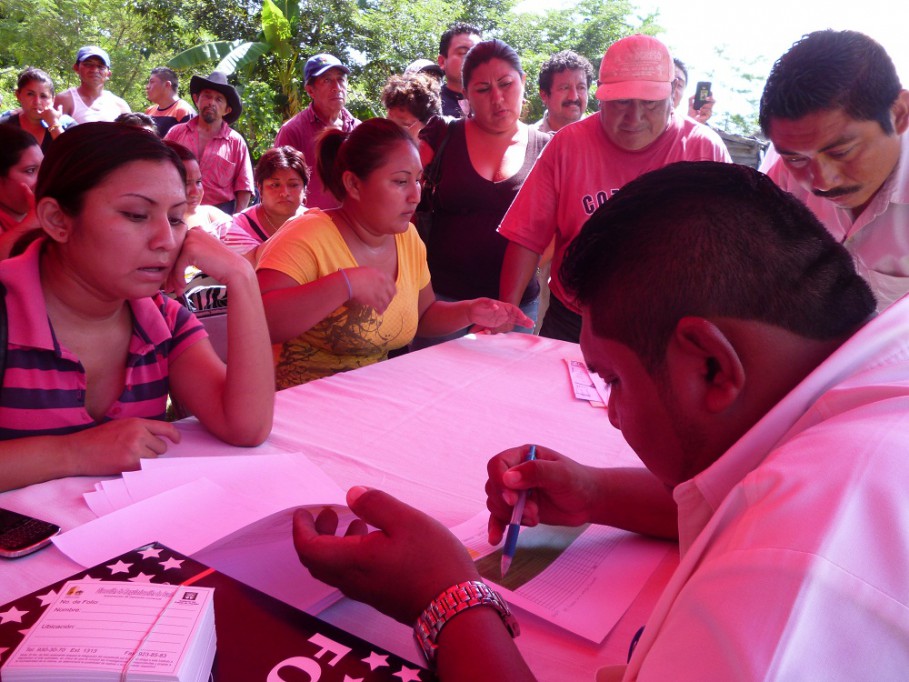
(225, 163)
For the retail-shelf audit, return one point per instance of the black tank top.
(464, 251)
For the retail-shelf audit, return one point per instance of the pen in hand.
(511, 537)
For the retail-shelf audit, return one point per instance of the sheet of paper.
(243, 518)
(581, 579)
(285, 478)
(185, 518)
(587, 386)
(97, 501)
(106, 627)
(262, 555)
(117, 494)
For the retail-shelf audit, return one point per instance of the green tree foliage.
(266, 42)
(588, 28)
(276, 41)
(138, 35)
(744, 82)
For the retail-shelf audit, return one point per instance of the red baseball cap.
(636, 67)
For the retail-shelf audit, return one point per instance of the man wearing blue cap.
(326, 84)
(90, 101)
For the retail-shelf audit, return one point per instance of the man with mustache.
(635, 131)
(836, 113)
(227, 175)
(564, 80)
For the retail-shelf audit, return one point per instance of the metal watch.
(450, 603)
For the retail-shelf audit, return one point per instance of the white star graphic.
(3, 650)
(89, 579)
(150, 553)
(119, 567)
(171, 563)
(348, 678)
(48, 598)
(25, 632)
(374, 660)
(11, 615)
(141, 578)
(408, 674)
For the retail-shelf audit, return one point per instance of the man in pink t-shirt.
(635, 132)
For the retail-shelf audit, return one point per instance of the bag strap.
(255, 226)
(434, 171)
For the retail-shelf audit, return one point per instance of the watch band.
(451, 602)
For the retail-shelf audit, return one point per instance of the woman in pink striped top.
(93, 348)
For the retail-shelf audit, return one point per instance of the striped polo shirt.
(44, 384)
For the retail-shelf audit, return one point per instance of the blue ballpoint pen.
(511, 537)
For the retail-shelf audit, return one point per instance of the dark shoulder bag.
(432, 175)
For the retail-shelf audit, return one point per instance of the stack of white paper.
(120, 631)
(231, 513)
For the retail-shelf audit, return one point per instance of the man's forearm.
(519, 266)
(243, 198)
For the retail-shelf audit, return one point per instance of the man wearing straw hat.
(227, 175)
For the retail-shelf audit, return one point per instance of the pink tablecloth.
(422, 427)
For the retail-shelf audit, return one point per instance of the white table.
(421, 427)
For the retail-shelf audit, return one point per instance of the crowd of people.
(748, 323)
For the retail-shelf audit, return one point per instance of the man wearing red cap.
(586, 163)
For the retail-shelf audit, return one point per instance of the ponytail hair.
(359, 151)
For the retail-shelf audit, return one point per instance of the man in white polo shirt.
(751, 377)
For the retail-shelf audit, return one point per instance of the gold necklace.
(269, 221)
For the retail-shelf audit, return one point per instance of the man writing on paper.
(760, 390)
